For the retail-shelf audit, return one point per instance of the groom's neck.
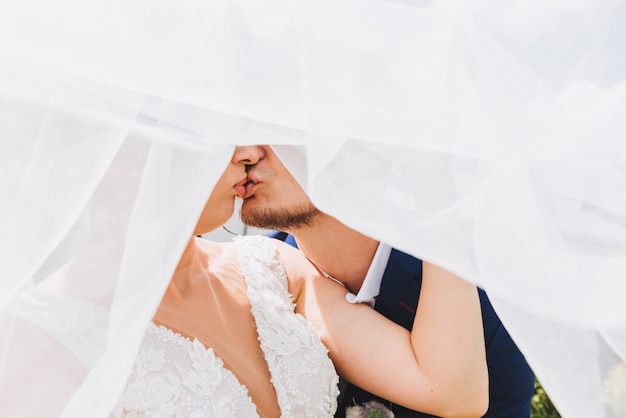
(337, 249)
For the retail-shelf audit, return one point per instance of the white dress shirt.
(371, 284)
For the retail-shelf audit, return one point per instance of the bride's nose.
(248, 155)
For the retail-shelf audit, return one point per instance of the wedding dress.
(174, 376)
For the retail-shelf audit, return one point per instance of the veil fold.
(484, 138)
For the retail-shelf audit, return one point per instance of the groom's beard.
(282, 219)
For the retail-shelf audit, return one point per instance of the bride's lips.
(240, 187)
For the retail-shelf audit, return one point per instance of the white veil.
(487, 139)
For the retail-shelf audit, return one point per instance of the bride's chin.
(209, 225)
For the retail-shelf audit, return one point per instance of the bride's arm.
(439, 368)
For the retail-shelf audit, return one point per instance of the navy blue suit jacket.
(511, 381)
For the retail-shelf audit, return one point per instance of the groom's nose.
(248, 155)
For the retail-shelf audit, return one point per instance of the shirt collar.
(371, 284)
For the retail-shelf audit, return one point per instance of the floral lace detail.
(305, 380)
(174, 377)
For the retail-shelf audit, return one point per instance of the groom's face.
(274, 199)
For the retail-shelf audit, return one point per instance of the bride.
(202, 354)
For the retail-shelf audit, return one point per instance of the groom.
(377, 275)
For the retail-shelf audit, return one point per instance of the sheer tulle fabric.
(485, 139)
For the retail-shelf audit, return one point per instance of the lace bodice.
(176, 377)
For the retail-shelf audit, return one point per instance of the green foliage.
(542, 405)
